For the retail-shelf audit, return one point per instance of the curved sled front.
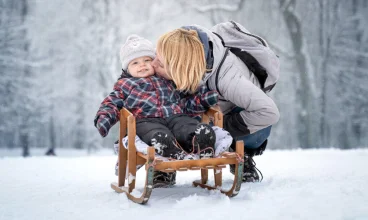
(148, 184)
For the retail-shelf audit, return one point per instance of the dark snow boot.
(204, 141)
(163, 180)
(166, 146)
(250, 172)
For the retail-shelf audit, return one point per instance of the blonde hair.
(183, 58)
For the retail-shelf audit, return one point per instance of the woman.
(249, 113)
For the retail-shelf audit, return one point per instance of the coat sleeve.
(199, 102)
(259, 110)
(108, 113)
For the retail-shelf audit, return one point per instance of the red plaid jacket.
(150, 97)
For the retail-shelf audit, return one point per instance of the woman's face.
(159, 67)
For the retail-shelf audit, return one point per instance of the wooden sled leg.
(148, 185)
(204, 176)
(239, 166)
(217, 172)
(236, 184)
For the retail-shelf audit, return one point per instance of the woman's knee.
(255, 140)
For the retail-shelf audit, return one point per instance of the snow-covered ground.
(313, 184)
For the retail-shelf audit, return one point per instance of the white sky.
(313, 184)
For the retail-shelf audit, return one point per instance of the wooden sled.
(131, 158)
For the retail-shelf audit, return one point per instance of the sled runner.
(131, 158)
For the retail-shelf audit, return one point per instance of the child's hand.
(209, 98)
(100, 125)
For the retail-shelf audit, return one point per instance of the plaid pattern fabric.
(203, 99)
(150, 97)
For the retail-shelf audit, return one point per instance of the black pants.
(181, 127)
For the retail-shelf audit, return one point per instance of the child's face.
(141, 67)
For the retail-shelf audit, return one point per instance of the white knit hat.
(134, 47)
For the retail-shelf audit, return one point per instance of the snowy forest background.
(59, 59)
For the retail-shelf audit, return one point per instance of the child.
(163, 114)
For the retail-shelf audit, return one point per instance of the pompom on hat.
(134, 47)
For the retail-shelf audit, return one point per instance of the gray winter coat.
(239, 88)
